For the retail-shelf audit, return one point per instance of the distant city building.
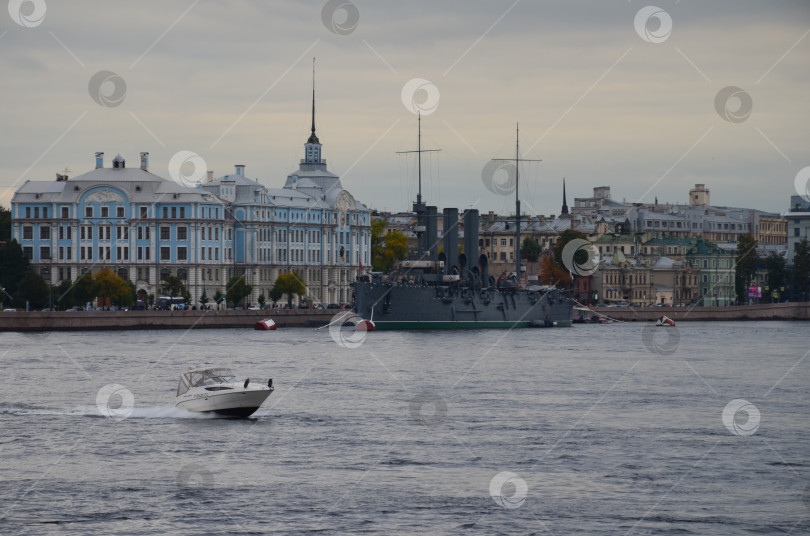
(798, 223)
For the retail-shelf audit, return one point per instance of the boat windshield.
(199, 378)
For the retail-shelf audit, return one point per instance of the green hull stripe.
(382, 325)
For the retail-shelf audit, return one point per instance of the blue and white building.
(144, 227)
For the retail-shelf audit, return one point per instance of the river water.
(596, 429)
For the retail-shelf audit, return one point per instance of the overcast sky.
(607, 92)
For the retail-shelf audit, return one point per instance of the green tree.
(275, 294)
(775, 265)
(261, 300)
(32, 289)
(566, 236)
(111, 288)
(13, 266)
(85, 289)
(747, 262)
(290, 284)
(173, 286)
(378, 226)
(5, 224)
(63, 295)
(150, 300)
(204, 299)
(218, 296)
(530, 249)
(801, 269)
(237, 289)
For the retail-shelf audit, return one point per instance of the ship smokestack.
(431, 230)
(471, 223)
(450, 240)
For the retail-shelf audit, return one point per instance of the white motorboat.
(218, 390)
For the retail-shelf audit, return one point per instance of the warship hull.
(401, 306)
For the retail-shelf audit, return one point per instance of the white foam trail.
(153, 412)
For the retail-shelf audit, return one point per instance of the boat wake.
(153, 412)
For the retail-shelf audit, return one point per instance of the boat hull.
(408, 307)
(235, 404)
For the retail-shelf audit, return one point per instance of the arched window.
(164, 272)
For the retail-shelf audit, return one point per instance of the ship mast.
(419, 206)
(517, 160)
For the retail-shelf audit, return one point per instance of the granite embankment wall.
(93, 320)
(771, 311)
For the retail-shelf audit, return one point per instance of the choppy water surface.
(590, 430)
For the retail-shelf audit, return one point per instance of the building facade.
(144, 227)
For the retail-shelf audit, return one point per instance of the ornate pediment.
(104, 196)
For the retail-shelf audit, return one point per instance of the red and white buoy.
(265, 324)
(368, 325)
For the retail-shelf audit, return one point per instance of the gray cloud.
(539, 65)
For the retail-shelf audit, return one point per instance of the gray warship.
(452, 290)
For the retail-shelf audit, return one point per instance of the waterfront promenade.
(770, 311)
(127, 320)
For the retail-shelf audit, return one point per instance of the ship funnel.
(471, 223)
(483, 262)
(431, 229)
(450, 239)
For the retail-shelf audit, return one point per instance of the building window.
(165, 232)
(27, 212)
(126, 253)
(36, 212)
(182, 233)
(140, 255)
(164, 273)
(140, 233)
(105, 212)
(181, 253)
(88, 212)
(69, 253)
(182, 212)
(28, 251)
(165, 253)
(143, 212)
(165, 212)
(174, 212)
(44, 253)
(28, 232)
(119, 212)
(65, 212)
